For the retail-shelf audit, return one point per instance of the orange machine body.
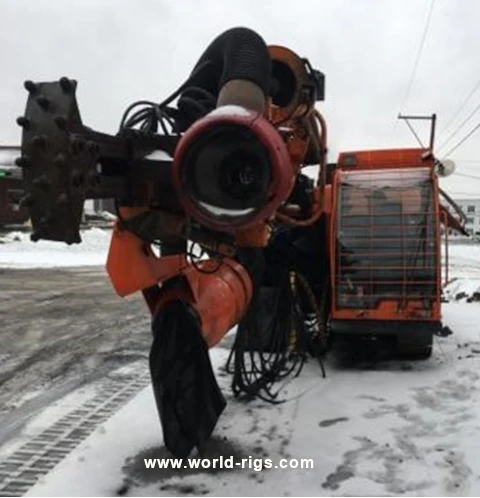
(385, 237)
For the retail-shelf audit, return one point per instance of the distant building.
(102, 205)
(471, 208)
(11, 187)
(8, 154)
(11, 183)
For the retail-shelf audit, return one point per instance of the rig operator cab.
(385, 248)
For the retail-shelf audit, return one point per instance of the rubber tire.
(188, 398)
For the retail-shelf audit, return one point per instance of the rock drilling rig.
(218, 225)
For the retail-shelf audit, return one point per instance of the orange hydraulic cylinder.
(219, 292)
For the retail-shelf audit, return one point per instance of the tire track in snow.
(33, 460)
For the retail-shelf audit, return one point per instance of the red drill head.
(232, 169)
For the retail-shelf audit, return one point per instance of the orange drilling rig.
(385, 218)
(219, 226)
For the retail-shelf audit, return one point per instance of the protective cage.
(386, 262)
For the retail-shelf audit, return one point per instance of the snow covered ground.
(464, 272)
(18, 251)
(463, 259)
(388, 428)
(370, 427)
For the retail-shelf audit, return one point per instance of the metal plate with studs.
(64, 163)
(56, 159)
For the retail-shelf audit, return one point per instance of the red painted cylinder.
(207, 154)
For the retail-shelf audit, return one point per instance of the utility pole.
(432, 119)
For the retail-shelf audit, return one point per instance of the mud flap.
(187, 395)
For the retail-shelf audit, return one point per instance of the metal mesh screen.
(386, 237)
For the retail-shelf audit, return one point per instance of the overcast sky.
(124, 50)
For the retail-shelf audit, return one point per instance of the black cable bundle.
(153, 114)
(238, 53)
(289, 338)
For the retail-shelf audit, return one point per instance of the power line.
(458, 128)
(474, 196)
(462, 105)
(474, 177)
(419, 55)
(464, 139)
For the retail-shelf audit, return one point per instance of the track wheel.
(416, 346)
